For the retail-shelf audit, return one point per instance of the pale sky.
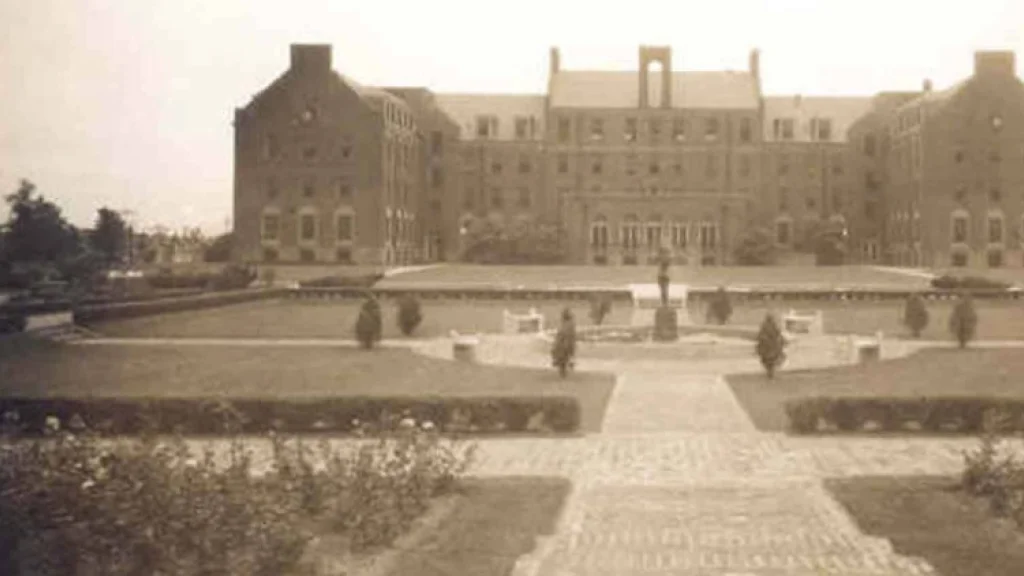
(128, 103)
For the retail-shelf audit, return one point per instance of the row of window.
(632, 166)
(679, 129)
(784, 129)
(341, 190)
(308, 229)
(995, 227)
(653, 234)
(271, 149)
(487, 127)
(497, 199)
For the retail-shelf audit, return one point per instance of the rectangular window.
(654, 129)
(653, 236)
(436, 143)
(679, 236)
(782, 233)
(271, 227)
(630, 133)
(496, 167)
(597, 167)
(563, 164)
(521, 125)
(564, 130)
(744, 165)
(344, 225)
(995, 258)
(711, 168)
(707, 236)
(483, 127)
(787, 128)
(995, 230)
(307, 227)
(436, 177)
(270, 149)
(746, 130)
(679, 129)
(496, 200)
(524, 197)
(960, 230)
(711, 129)
(824, 129)
(596, 129)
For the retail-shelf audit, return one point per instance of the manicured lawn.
(278, 373)
(570, 276)
(326, 319)
(495, 521)
(933, 373)
(929, 518)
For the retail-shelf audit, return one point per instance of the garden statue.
(665, 317)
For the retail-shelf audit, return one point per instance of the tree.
(369, 324)
(220, 249)
(757, 248)
(963, 322)
(110, 237)
(36, 231)
(828, 240)
(493, 240)
(771, 345)
(915, 315)
(600, 307)
(720, 307)
(409, 314)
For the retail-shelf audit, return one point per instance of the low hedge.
(116, 311)
(121, 416)
(945, 414)
(359, 281)
(948, 282)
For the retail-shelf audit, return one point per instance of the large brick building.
(626, 162)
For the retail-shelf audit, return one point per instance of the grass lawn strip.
(930, 373)
(929, 517)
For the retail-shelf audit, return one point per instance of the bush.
(369, 325)
(963, 322)
(74, 505)
(409, 314)
(600, 307)
(563, 350)
(935, 415)
(915, 315)
(771, 345)
(948, 282)
(757, 248)
(720, 307)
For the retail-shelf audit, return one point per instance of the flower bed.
(477, 415)
(74, 505)
(945, 414)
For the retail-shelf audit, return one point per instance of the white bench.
(464, 346)
(797, 323)
(530, 323)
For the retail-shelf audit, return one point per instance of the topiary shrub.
(771, 345)
(915, 315)
(409, 314)
(720, 307)
(600, 307)
(963, 322)
(369, 326)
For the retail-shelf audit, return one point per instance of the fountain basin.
(636, 343)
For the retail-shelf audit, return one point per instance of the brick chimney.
(755, 64)
(554, 61)
(311, 57)
(926, 85)
(994, 63)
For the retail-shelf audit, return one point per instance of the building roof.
(842, 111)
(937, 97)
(702, 90)
(465, 108)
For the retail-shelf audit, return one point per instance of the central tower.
(661, 55)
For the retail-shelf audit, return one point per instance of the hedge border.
(947, 414)
(87, 314)
(211, 416)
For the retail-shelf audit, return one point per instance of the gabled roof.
(842, 111)
(465, 108)
(698, 90)
(937, 97)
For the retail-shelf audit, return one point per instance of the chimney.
(311, 57)
(796, 100)
(755, 64)
(555, 61)
(994, 63)
(927, 85)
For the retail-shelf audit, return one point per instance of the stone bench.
(530, 323)
(464, 346)
(803, 323)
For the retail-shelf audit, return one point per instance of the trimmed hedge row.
(360, 281)
(103, 312)
(945, 414)
(120, 416)
(948, 282)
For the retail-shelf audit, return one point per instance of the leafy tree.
(771, 345)
(110, 237)
(720, 307)
(369, 324)
(220, 249)
(409, 314)
(36, 230)
(493, 240)
(757, 248)
(915, 315)
(828, 241)
(963, 322)
(600, 307)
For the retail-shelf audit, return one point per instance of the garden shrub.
(948, 282)
(915, 315)
(770, 345)
(409, 314)
(945, 414)
(720, 307)
(77, 505)
(369, 323)
(963, 322)
(355, 281)
(600, 307)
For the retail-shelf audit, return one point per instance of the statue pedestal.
(666, 325)
(647, 301)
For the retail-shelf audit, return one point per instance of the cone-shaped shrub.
(915, 315)
(771, 345)
(720, 307)
(963, 322)
(409, 314)
(368, 325)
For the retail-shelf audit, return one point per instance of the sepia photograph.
(471, 288)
